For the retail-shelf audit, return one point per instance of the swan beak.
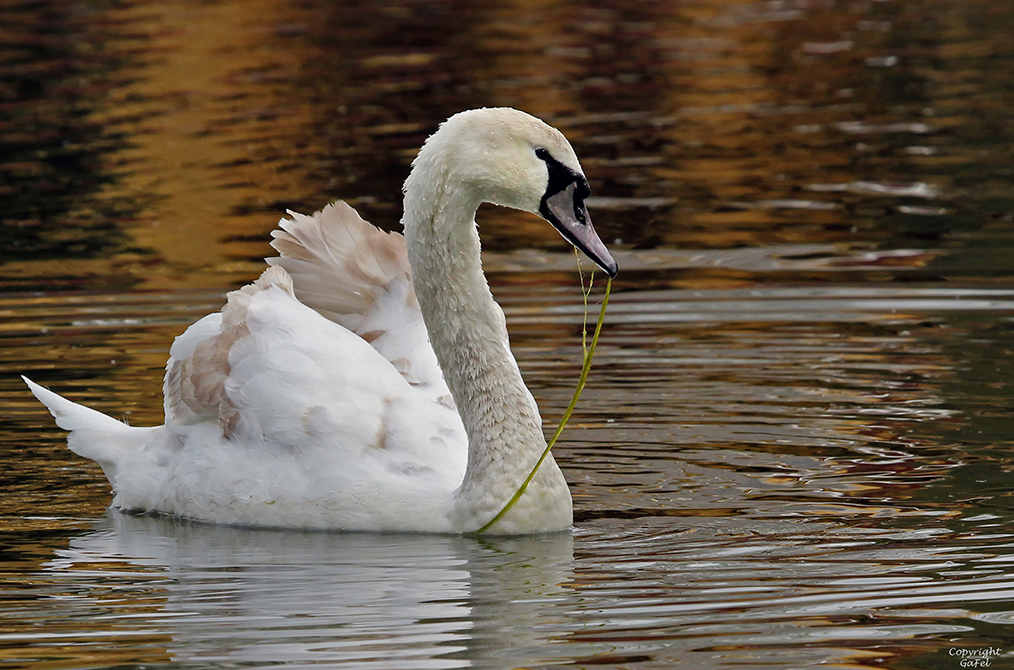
(566, 211)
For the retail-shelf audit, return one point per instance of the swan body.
(365, 380)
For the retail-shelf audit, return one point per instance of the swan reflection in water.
(236, 595)
(711, 592)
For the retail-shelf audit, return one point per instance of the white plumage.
(365, 380)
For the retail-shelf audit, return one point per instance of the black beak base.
(564, 208)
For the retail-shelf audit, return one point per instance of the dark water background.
(796, 448)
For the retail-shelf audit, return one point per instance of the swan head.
(510, 158)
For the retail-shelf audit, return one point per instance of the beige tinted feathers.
(194, 386)
(339, 263)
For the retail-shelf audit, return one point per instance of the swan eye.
(542, 154)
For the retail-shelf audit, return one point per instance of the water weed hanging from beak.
(589, 353)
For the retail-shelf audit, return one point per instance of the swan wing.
(269, 370)
(276, 415)
(358, 276)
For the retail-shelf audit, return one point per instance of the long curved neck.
(469, 336)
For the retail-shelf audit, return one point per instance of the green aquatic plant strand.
(585, 292)
(588, 354)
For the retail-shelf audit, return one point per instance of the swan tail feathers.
(93, 434)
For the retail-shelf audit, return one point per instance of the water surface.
(795, 449)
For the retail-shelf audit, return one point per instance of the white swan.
(315, 399)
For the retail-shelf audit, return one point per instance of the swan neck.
(468, 333)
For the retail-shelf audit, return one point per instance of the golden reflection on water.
(195, 116)
(703, 125)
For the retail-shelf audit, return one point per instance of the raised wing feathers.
(342, 267)
(357, 275)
